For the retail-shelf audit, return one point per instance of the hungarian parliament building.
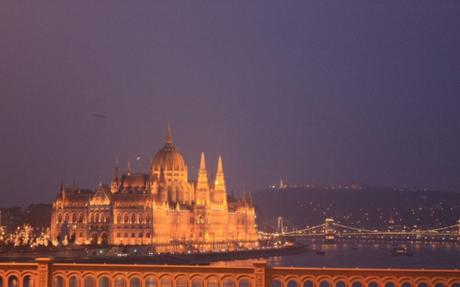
(160, 208)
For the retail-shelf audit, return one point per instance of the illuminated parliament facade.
(161, 208)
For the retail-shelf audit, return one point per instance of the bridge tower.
(458, 230)
(280, 225)
(329, 231)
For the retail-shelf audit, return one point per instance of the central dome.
(167, 158)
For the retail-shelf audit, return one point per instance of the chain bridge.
(330, 231)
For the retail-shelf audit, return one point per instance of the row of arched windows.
(70, 218)
(13, 281)
(133, 218)
(104, 281)
(325, 283)
(98, 218)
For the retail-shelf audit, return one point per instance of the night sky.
(311, 91)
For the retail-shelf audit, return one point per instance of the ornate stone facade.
(161, 207)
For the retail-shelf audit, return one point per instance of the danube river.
(373, 255)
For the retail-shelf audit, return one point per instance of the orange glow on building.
(161, 208)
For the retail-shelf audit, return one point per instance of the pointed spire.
(129, 167)
(220, 170)
(169, 138)
(61, 185)
(202, 162)
(202, 181)
(220, 190)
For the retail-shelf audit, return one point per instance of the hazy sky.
(310, 91)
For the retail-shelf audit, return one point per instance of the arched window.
(324, 284)
(135, 282)
(406, 284)
(139, 218)
(293, 283)
(59, 218)
(89, 281)
(91, 218)
(119, 218)
(229, 283)
(166, 282)
(126, 218)
(74, 218)
(307, 283)
(73, 281)
(66, 218)
(28, 281)
(150, 282)
(133, 218)
(356, 284)
(373, 284)
(104, 282)
(422, 284)
(213, 282)
(390, 284)
(120, 282)
(181, 282)
(456, 284)
(197, 282)
(276, 283)
(244, 283)
(439, 285)
(147, 218)
(80, 217)
(58, 281)
(13, 281)
(340, 284)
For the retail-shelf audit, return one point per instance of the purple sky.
(311, 91)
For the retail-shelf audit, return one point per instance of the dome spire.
(169, 138)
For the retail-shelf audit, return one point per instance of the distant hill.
(358, 205)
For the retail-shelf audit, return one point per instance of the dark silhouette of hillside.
(363, 206)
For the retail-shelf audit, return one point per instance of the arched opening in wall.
(356, 284)
(94, 238)
(373, 284)
(120, 282)
(13, 281)
(213, 282)
(422, 284)
(104, 282)
(390, 284)
(104, 239)
(307, 283)
(456, 284)
(58, 281)
(276, 283)
(340, 284)
(72, 238)
(439, 285)
(166, 282)
(150, 282)
(293, 283)
(197, 282)
(181, 282)
(89, 281)
(28, 281)
(229, 283)
(324, 283)
(406, 284)
(73, 281)
(244, 283)
(135, 282)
